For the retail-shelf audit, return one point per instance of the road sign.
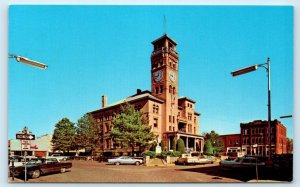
(25, 144)
(25, 136)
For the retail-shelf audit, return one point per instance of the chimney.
(104, 101)
(138, 91)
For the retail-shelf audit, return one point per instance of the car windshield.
(34, 161)
(195, 154)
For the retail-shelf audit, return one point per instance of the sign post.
(25, 136)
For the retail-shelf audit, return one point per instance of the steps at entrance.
(156, 162)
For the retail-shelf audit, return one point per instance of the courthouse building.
(168, 115)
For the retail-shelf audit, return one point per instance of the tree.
(180, 146)
(216, 143)
(88, 133)
(130, 129)
(64, 135)
(208, 150)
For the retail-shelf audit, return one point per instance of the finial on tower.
(165, 30)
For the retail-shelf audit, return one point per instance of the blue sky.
(105, 50)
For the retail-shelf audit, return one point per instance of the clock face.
(172, 76)
(158, 75)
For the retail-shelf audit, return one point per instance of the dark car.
(36, 167)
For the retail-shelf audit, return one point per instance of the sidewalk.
(16, 180)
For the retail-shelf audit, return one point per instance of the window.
(155, 123)
(155, 109)
(170, 128)
(173, 119)
(156, 90)
(160, 63)
(174, 90)
(161, 88)
(106, 127)
(170, 89)
(189, 116)
(173, 128)
(170, 118)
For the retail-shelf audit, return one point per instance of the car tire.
(117, 163)
(36, 174)
(137, 163)
(62, 170)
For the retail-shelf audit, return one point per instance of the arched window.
(161, 88)
(170, 89)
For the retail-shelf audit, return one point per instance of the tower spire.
(165, 29)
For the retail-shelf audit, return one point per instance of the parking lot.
(92, 171)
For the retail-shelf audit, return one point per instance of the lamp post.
(253, 68)
(28, 61)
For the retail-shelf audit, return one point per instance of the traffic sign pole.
(25, 136)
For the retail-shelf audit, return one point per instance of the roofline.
(261, 122)
(164, 36)
(197, 113)
(229, 135)
(186, 98)
(119, 104)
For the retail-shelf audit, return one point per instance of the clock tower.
(164, 79)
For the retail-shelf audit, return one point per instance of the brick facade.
(232, 144)
(255, 138)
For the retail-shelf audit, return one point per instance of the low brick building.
(232, 144)
(255, 137)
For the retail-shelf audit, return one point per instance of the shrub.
(208, 150)
(180, 146)
(175, 154)
(152, 154)
(174, 144)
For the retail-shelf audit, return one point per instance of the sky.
(105, 50)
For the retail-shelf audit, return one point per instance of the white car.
(242, 162)
(19, 160)
(125, 160)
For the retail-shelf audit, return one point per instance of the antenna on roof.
(165, 30)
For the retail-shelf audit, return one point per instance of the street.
(92, 171)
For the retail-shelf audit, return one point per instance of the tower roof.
(165, 36)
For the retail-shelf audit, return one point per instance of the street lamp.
(287, 116)
(253, 68)
(28, 61)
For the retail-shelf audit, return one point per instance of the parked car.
(242, 162)
(125, 160)
(38, 166)
(194, 158)
(19, 160)
(60, 157)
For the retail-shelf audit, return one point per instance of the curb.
(160, 165)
